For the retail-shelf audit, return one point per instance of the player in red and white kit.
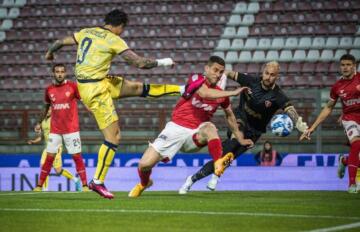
(190, 128)
(347, 88)
(62, 97)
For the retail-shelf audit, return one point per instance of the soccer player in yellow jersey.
(96, 47)
(45, 131)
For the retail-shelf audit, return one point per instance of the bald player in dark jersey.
(253, 114)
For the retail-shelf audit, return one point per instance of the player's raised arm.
(209, 93)
(231, 121)
(144, 63)
(325, 112)
(58, 44)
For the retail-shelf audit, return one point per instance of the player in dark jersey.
(253, 114)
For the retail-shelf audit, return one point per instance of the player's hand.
(37, 128)
(306, 134)
(49, 56)
(247, 142)
(30, 142)
(300, 125)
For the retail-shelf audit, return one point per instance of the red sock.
(144, 177)
(353, 161)
(45, 169)
(80, 167)
(215, 148)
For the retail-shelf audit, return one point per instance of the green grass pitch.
(168, 211)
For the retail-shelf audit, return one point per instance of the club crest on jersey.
(268, 103)
(61, 106)
(52, 97)
(200, 105)
(194, 77)
(358, 87)
(67, 94)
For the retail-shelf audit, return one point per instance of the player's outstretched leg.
(80, 169)
(150, 158)
(185, 188)
(211, 185)
(353, 164)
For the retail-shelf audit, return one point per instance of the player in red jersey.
(348, 90)
(62, 97)
(190, 128)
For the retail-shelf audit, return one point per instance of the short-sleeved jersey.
(196, 110)
(349, 93)
(258, 108)
(45, 127)
(64, 112)
(97, 47)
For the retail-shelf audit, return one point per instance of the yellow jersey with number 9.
(97, 47)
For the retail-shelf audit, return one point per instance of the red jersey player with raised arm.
(190, 128)
(62, 97)
(347, 89)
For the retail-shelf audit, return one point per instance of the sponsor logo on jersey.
(61, 106)
(351, 102)
(198, 104)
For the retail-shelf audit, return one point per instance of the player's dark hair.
(348, 57)
(58, 65)
(116, 18)
(216, 59)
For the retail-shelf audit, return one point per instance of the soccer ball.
(281, 125)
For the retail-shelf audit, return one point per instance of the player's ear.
(207, 68)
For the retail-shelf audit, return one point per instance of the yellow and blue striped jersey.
(97, 47)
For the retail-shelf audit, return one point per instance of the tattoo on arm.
(292, 113)
(330, 104)
(56, 46)
(232, 75)
(140, 62)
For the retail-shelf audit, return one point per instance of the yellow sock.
(46, 184)
(159, 90)
(358, 176)
(67, 174)
(105, 157)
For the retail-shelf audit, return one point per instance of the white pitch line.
(181, 212)
(31, 193)
(338, 228)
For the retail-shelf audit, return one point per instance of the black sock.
(206, 170)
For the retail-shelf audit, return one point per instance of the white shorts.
(352, 129)
(72, 142)
(174, 138)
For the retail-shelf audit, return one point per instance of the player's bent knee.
(208, 128)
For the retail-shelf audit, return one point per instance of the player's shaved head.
(58, 65)
(116, 18)
(273, 64)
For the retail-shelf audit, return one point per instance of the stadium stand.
(307, 37)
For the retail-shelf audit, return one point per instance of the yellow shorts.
(57, 161)
(98, 98)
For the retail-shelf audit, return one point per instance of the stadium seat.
(313, 55)
(220, 54)
(318, 43)
(355, 53)
(250, 44)
(6, 25)
(332, 42)
(231, 57)
(327, 55)
(339, 53)
(264, 43)
(2, 36)
(229, 32)
(286, 56)
(240, 8)
(346, 42)
(322, 67)
(278, 43)
(304, 43)
(245, 56)
(259, 56)
(299, 55)
(253, 7)
(13, 13)
(356, 42)
(234, 20)
(224, 44)
(237, 44)
(242, 32)
(308, 67)
(272, 55)
(294, 67)
(247, 20)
